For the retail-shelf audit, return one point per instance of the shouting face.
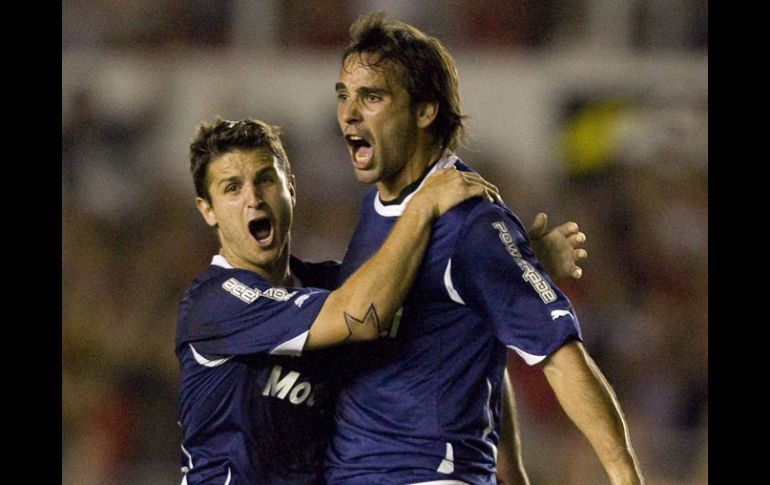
(251, 202)
(381, 128)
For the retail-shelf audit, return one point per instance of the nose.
(349, 112)
(254, 197)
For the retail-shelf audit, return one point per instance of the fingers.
(568, 228)
(475, 178)
(492, 195)
(576, 239)
(539, 226)
(578, 255)
(476, 182)
(577, 272)
(449, 187)
(471, 178)
(473, 189)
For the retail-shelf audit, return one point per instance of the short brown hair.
(224, 136)
(429, 74)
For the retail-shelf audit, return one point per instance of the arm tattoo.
(370, 318)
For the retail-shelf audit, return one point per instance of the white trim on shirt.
(530, 359)
(397, 210)
(450, 288)
(206, 362)
(292, 347)
(219, 260)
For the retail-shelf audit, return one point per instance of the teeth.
(355, 138)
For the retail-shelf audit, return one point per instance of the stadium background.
(591, 110)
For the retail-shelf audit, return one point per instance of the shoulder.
(238, 312)
(217, 282)
(221, 291)
(485, 231)
(478, 212)
(479, 215)
(204, 283)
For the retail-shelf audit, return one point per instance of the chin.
(265, 255)
(272, 256)
(366, 176)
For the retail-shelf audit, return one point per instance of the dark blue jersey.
(251, 410)
(424, 405)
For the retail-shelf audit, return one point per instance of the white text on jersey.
(288, 386)
(531, 275)
(247, 294)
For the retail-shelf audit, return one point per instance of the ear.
(426, 113)
(204, 207)
(292, 190)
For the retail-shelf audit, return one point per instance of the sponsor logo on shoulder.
(530, 274)
(278, 294)
(560, 313)
(248, 294)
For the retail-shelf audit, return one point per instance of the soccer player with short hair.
(251, 410)
(423, 406)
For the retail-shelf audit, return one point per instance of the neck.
(412, 170)
(276, 273)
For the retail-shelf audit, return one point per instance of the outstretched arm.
(558, 250)
(510, 467)
(363, 307)
(589, 401)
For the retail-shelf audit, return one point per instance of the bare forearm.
(510, 467)
(363, 307)
(589, 401)
(385, 279)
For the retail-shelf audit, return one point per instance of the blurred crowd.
(643, 302)
(631, 168)
(510, 24)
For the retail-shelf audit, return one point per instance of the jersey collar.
(219, 260)
(396, 210)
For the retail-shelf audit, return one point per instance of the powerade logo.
(530, 275)
(247, 294)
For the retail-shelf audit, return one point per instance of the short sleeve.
(237, 313)
(495, 272)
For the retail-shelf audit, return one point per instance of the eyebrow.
(363, 89)
(237, 178)
(269, 170)
(232, 178)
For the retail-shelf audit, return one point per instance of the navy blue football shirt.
(251, 410)
(423, 406)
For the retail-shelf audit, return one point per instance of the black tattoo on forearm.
(370, 319)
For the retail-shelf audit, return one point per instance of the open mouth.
(361, 150)
(262, 231)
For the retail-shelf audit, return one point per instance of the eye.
(231, 187)
(341, 96)
(373, 98)
(265, 178)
